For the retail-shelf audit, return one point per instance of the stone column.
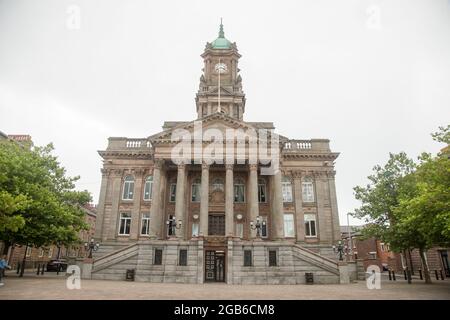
(253, 193)
(299, 214)
(99, 230)
(111, 225)
(136, 211)
(229, 201)
(334, 208)
(204, 200)
(323, 228)
(179, 200)
(277, 209)
(155, 209)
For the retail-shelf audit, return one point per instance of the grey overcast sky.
(372, 76)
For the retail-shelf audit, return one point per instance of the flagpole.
(218, 107)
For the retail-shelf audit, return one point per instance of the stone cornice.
(308, 155)
(126, 154)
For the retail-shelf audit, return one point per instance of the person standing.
(3, 266)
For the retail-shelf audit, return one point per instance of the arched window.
(286, 188)
(195, 190)
(217, 185)
(262, 196)
(128, 188)
(239, 191)
(148, 188)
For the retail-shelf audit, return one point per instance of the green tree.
(38, 202)
(407, 204)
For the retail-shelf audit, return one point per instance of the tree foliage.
(38, 203)
(408, 204)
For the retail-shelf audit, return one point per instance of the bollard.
(42, 270)
(390, 277)
(57, 270)
(420, 274)
(38, 269)
(409, 276)
(404, 272)
(18, 267)
(393, 275)
(436, 274)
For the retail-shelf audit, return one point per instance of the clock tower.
(220, 87)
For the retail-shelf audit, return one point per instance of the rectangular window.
(28, 253)
(41, 252)
(289, 230)
(148, 188)
(262, 193)
(239, 193)
(145, 224)
(240, 230)
(195, 228)
(247, 258)
(124, 223)
(286, 189)
(173, 192)
(158, 257)
(195, 192)
(307, 191)
(183, 257)
(272, 258)
(310, 225)
(50, 252)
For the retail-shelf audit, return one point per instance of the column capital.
(158, 163)
(229, 166)
(205, 165)
(253, 166)
(117, 172)
(181, 166)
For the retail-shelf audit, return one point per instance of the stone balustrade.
(122, 143)
(317, 145)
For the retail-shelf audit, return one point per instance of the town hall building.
(171, 218)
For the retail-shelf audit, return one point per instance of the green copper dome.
(221, 42)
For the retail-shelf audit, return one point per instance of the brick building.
(33, 255)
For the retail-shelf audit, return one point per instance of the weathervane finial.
(221, 33)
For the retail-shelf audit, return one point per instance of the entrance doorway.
(214, 266)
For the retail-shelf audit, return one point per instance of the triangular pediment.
(219, 121)
(223, 91)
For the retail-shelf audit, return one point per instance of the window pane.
(272, 258)
(238, 193)
(289, 225)
(247, 258)
(158, 257)
(240, 230)
(287, 191)
(183, 257)
(313, 228)
(195, 193)
(195, 227)
(262, 193)
(148, 188)
(307, 191)
(264, 230)
(173, 192)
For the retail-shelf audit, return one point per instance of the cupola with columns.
(220, 66)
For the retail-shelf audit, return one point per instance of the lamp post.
(339, 249)
(171, 223)
(91, 246)
(257, 226)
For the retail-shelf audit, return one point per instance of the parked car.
(55, 265)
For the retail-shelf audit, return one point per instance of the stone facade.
(150, 200)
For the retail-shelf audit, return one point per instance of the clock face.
(220, 67)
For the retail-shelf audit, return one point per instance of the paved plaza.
(52, 287)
